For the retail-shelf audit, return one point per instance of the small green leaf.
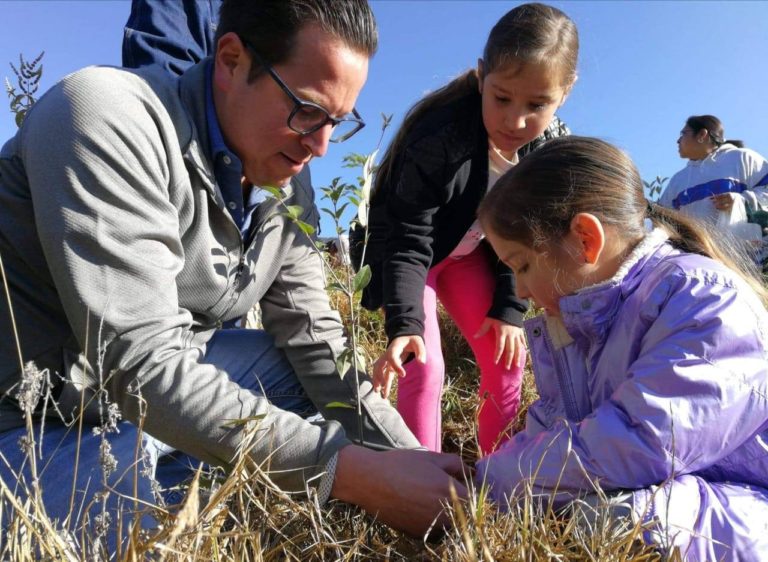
(339, 405)
(306, 228)
(362, 278)
(336, 287)
(343, 364)
(294, 211)
(360, 363)
(275, 192)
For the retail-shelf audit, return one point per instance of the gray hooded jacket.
(116, 242)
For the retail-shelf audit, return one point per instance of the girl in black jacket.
(424, 241)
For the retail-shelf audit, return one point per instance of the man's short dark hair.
(271, 26)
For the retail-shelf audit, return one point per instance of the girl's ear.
(480, 75)
(590, 235)
(702, 136)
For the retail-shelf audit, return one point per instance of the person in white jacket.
(722, 181)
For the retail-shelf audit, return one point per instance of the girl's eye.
(538, 106)
(502, 100)
(522, 269)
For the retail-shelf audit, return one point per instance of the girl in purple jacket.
(650, 356)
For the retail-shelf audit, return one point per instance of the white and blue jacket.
(726, 170)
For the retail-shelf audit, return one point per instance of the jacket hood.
(588, 315)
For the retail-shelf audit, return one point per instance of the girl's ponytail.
(689, 235)
(455, 89)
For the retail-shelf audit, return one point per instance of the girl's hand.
(390, 364)
(510, 342)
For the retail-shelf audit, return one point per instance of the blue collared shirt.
(227, 167)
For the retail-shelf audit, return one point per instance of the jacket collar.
(589, 314)
(196, 148)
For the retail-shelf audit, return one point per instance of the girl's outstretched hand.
(510, 342)
(390, 365)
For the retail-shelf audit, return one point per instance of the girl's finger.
(388, 386)
(511, 353)
(500, 346)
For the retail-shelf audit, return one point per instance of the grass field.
(244, 517)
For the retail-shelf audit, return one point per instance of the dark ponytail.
(455, 89)
(689, 235)
(714, 128)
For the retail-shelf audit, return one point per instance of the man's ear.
(480, 75)
(590, 236)
(230, 52)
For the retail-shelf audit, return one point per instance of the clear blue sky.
(644, 66)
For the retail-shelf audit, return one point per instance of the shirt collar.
(216, 143)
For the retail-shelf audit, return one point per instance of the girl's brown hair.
(528, 34)
(535, 202)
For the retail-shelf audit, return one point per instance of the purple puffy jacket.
(655, 381)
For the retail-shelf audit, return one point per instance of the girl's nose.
(521, 290)
(515, 120)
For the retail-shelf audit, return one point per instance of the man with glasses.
(133, 230)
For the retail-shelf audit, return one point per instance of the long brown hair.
(535, 202)
(528, 34)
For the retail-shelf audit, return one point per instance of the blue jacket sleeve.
(173, 34)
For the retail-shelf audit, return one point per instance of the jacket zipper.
(569, 401)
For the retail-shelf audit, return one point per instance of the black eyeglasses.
(307, 117)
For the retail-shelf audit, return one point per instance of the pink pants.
(465, 287)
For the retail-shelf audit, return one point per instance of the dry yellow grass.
(247, 518)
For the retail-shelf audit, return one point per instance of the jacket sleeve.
(174, 35)
(102, 156)
(418, 189)
(695, 392)
(755, 170)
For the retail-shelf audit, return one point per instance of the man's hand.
(510, 342)
(390, 364)
(405, 489)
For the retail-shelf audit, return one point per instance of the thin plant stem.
(27, 415)
(81, 415)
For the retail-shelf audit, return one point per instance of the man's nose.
(317, 141)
